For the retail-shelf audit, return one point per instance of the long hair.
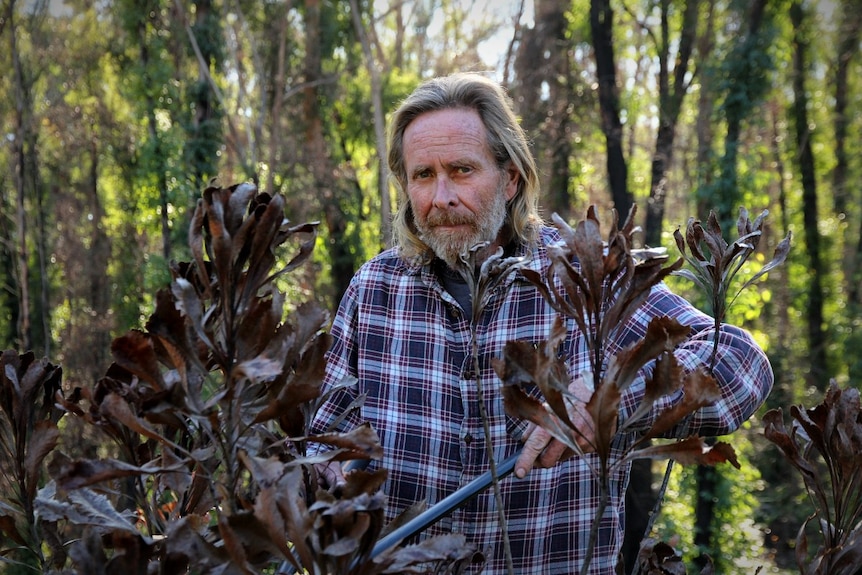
(506, 140)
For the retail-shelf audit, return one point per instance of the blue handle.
(433, 514)
(444, 506)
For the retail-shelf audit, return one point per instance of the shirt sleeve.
(336, 399)
(742, 370)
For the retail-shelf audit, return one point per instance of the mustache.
(449, 220)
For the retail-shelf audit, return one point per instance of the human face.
(457, 191)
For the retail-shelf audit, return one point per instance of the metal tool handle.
(434, 513)
(445, 506)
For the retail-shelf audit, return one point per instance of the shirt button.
(468, 439)
(467, 375)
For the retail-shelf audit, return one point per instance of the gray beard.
(485, 227)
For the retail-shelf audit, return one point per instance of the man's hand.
(542, 450)
(329, 474)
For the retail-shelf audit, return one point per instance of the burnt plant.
(823, 443)
(481, 280)
(28, 433)
(600, 283)
(714, 264)
(208, 409)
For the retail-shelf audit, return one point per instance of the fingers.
(330, 474)
(537, 440)
(553, 454)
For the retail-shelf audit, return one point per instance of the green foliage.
(737, 535)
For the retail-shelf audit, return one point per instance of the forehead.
(444, 133)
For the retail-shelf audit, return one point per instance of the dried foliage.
(208, 408)
(714, 263)
(481, 281)
(824, 444)
(28, 433)
(600, 283)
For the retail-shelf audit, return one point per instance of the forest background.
(116, 114)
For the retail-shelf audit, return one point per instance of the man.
(465, 175)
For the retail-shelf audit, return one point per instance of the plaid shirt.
(408, 343)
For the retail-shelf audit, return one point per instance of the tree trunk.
(19, 150)
(742, 96)
(278, 88)
(319, 159)
(99, 297)
(153, 131)
(601, 26)
(817, 375)
(379, 126)
(705, 111)
(640, 500)
(848, 45)
(543, 60)
(704, 511)
(745, 89)
(670, 105)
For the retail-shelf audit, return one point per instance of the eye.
(463, 169)
(421, 174)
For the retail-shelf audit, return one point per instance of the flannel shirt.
(408, 344)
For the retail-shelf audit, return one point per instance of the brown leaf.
(359, 482)
(86, 472)
(10, 529)
(131, 554)
(694, 235)
(359, 443)
(189, 304)
(88, 553)
(134, 353)
(520, 405)
(298, 519)
(443, 548)
(186, 544)
(666, 379)
(658, 558)
(663, 335)
(587, 245)
(42, 441)
(116, 407)
(232, 544)
(266, 511)
(298, 384)
(690, 451)
(526, 364)
(83, 507)
(603, 407)
(699, 389)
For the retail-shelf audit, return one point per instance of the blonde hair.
(506, 140)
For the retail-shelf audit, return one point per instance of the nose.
(444, 194)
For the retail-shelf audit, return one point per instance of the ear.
(513, 177)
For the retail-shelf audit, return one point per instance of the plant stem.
(489, 446)
(604, 495)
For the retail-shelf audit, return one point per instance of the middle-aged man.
(465, 175)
